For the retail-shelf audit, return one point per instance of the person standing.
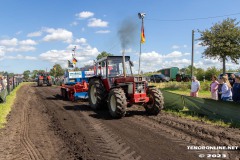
(195, 86)
(236, 89)
(214, 88)
(226, 90)
(4, 82)
(232, 79)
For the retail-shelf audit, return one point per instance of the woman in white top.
(226, 90)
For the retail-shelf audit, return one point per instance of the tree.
(57, 71)
(26, 75)
(222, 41)
(212, 71)
(103, 54)
(34, 74)
(200, 73)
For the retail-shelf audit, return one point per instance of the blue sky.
(38, 34)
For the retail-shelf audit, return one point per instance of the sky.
(36, 35)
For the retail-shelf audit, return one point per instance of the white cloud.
(81, 41)
(103, 31)
(19, 56)
(83, 29)
(58, 35)
(84, 54)
(174, 54)
(28, 42)
(175, 47)
(74, 23)
(9, 42)
(35, 34)
(186, 54)
(197, 45)
(84, 14)
(18, 33)
(93, 22)
(20, 49)
(184, 46)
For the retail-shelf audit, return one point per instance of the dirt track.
(43, 126)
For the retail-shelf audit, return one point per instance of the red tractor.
(115, 85)
(44, 78)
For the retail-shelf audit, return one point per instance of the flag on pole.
(70, 65)
(74, 61)
(142, 35)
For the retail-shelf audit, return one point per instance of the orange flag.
(74, 61)
(142, 35)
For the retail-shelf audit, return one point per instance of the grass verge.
(5, 108)
(195, 117)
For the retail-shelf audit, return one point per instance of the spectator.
(232, 79)
(195, 86)
(214, 88)
(220, 83)
(236, 89)
(4, 82)
(226, 90)
(1, 83)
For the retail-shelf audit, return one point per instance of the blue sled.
(81, 95)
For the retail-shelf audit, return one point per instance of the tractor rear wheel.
(49, 83)
(117, 103)
(96, 94)
(155, 103)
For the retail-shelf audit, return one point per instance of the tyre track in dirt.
(101, 128)
(109, 144)
(94, 135)
(106, 144)
(25, 140)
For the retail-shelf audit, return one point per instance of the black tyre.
(49, 83)
(64, 94)
(155, 103)
(96, 94)
(40, 82)
(117, 103)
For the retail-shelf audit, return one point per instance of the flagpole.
(141, 16)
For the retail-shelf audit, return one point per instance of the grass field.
(5, 108)
(183, 88)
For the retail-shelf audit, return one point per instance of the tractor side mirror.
(131, 63)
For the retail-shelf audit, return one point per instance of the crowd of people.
(223, 88)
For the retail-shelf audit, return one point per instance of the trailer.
(75, 85)
(170, 72)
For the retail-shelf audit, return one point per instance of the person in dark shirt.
(236, 89)
(220, 81)
(232, 79)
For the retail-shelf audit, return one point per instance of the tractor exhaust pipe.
(124, 68)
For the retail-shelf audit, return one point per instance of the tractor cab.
(112, 66)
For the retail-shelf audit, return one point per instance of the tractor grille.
(140, 87)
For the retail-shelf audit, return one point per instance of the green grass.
(192, 116)
(5, 108)
(183, 88)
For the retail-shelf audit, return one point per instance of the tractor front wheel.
(117, 103)
(96, 94)
(155, 103)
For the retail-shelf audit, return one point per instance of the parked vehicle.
(170, 72)
(183, 77)
(159, 78)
